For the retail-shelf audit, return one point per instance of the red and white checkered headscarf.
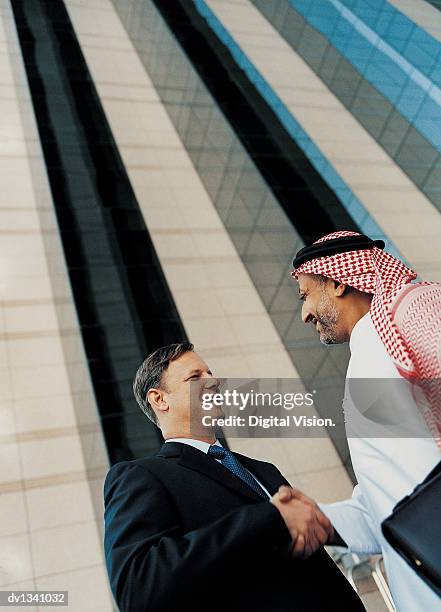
(406, 315)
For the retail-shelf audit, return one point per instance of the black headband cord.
(334, 246)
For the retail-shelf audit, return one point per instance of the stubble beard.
(327, 316)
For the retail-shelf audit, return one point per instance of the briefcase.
(414, 529)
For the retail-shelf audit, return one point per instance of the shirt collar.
(199, 444)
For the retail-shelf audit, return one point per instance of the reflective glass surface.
(124, 306)
(269, 197)
(382, 67)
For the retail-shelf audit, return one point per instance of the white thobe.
(387, 468)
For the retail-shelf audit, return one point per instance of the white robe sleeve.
(351, 520)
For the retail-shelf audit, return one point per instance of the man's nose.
(306, 314)
(211, 382)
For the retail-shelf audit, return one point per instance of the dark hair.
(150, 373)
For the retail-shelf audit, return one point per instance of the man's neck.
(361, 308)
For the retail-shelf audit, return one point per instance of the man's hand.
(286, 494)
(309, 527)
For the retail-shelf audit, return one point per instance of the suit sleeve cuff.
(272, 526)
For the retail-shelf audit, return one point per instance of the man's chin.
(327, 341)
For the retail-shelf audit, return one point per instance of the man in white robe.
(352, 291)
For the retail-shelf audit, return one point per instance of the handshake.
(309, 527)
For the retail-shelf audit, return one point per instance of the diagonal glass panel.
(124, 306)
(268, 195)
(365, 58)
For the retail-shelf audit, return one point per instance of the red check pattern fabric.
(406, 315)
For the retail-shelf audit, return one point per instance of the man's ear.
(157, 400)
(340, 289)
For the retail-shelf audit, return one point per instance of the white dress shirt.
(387, 468)
(204, 446)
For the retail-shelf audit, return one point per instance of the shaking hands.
(309, 527)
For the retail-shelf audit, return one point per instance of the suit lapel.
(198, 461)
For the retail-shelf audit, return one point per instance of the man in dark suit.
(198, 527)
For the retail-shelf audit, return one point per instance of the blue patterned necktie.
(230, 462)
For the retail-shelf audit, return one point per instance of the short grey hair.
(150, 372)
(320, 278)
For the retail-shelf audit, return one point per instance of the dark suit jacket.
(184, 533)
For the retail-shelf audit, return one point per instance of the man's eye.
(302, 297)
